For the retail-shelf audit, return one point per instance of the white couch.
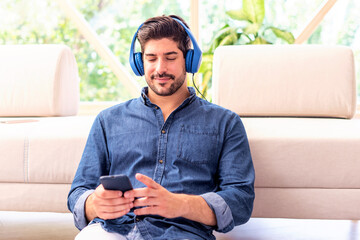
(296, 103)
(41, 140)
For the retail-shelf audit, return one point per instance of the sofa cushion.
(305, 152)
(310, 203)
(34, 197)
(285, 80)
(42, 150)
(38, 80)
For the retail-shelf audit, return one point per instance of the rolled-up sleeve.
(79, 210)
(221, 210)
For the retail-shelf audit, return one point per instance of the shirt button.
(161, 161)
(137, 219)
(156, 107)
(163, 131)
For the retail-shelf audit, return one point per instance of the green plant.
(251, 30)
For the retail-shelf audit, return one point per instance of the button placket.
(160, 158)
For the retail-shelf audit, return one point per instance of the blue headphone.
(192, 58)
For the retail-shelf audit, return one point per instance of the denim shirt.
(201, 149)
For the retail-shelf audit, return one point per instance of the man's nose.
(161, 66)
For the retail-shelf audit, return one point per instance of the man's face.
(164, 66)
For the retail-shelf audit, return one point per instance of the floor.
(19, 225)
(294, 229)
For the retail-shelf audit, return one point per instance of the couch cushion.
(305, 152)
(42, 150)
(38, 80)
(285, 80)
(34, 197)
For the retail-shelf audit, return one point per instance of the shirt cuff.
(222, 211)
(79, 210)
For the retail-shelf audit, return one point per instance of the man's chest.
(171, 154)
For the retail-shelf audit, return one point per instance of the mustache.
(156, 75)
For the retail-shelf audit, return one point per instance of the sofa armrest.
(38, 80)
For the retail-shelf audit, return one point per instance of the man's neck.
(169, 103)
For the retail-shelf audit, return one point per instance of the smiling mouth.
(162, 80)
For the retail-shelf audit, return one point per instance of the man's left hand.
(156, 200)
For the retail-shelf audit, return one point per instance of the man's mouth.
(162, 77)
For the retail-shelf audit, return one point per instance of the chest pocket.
(198, 144)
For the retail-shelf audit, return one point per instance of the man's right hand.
(107, 204)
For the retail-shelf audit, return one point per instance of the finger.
(147, 181)
(146, 201)
(129, 194)
(152, 210)
(103, 193)
(116, 208)
(112, 215)
(144, 192)
(114, 201)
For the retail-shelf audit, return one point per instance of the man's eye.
(152, 59)
(171, 59)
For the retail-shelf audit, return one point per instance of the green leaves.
(260, 40)
(284, 35)
(238, 15)
(253, 11)
(225, 36)
(252, 28)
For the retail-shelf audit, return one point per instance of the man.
(188, 160)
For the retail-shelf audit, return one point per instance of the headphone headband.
(192, 58)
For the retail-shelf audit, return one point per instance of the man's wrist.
(185, 208)
(196, 208)
(89, 209)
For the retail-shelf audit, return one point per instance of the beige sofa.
(41, 140)
(296, 101)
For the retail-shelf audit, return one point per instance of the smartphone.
(119, 182)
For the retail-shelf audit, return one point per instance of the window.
(42, 21)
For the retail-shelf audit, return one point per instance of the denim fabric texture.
(201, 149)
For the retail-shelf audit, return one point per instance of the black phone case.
(116, 182)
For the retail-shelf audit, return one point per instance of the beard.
(161, 90)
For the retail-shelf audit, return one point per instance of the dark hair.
(164, 27)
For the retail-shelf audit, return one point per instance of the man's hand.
(107, 204)
(155, 199)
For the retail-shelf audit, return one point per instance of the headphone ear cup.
(189, 60)
(139, 63)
